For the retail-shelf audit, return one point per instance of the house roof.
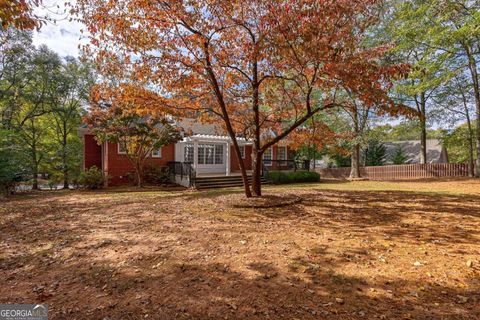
(195, 127)
(412, 149)
(196, 130)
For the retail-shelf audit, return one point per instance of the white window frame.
(268, 162)
(159, 155)
(188, 146)
(207, 153)
(216, 153)
(284, 152)
(282, 162)
(242, 151)
(120, 151)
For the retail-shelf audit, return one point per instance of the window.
(218, 154)
(242, 151)
(210, 154)
(188, 153)
(267, 157)
(157, 153)
(201, 154)
(121, 148)
(282, 155)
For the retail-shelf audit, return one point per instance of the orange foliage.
(262, 67)
(18, 13)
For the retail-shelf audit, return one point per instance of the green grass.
(438, 186)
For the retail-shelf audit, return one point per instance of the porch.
(207, 154)
(184, 173)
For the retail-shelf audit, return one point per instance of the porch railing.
(184, 170)
(286, 165)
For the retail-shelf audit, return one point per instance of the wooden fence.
(399, 172)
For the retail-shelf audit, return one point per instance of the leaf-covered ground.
(359, 250)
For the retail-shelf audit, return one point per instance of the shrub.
(14, 167)
(92, 178)
(281, 177)
(54, 180)
(156, 175)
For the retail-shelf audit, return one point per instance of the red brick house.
(205, 149)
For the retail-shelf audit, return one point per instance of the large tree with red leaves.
(19, 14)
(262, 67)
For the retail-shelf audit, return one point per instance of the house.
(205, 150)
(436, 152)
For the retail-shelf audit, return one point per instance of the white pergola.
(212, 139)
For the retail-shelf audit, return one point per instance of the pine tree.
(376, 153)
(399, 157)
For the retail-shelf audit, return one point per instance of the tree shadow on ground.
(127, 257)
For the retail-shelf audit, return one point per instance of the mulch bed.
(265, 201)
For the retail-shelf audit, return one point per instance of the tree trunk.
(471, 160)
(314, 159)
(423, 128)
(34, 157)
(471, 137)
(226, 118)
(477, 173)
(35, 175)
(257, 165)
(355, 165)
(472, 65)
(243, 170)
(64, 157)
(139, 175)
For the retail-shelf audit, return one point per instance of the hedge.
(281, 177)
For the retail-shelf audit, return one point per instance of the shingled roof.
(436, 153)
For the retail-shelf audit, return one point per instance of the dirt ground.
(357, 250)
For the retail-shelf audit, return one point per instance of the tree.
(449, 28)
(73, 82)
(19, 14)
(311, 139)
(114, 117)
(399, 156)
(458, 144)
(259, 66)
(16, 72)
(12, 163)
(375, 153)
(426, 74)
(455, 103)
(31, 104)
(405, 130)
(41, 96)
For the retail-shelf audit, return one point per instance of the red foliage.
(263, 67)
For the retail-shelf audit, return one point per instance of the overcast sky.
(63, 36)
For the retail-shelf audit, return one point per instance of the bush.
(54, 180)
(281, 177)
(156, 175)
(92, 178)
(13, 167)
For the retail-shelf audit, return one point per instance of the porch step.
(221, 182)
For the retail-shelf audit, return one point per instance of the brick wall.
(119, 167)
(92, 152)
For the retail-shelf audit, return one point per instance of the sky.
(62, 36)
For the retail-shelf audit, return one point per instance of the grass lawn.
(356, 250)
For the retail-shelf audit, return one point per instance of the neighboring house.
(204, 146)
(436, 153)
